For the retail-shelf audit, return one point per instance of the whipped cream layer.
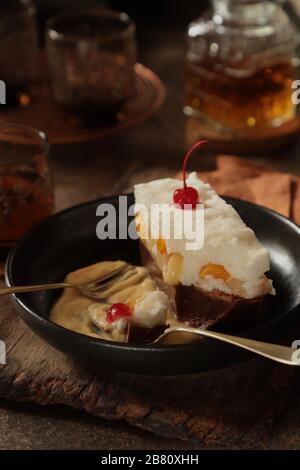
(151, 310)
(231, 260)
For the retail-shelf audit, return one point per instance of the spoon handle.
(36, 288)
(276, 352)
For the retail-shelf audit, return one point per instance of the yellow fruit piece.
(215, 270)
(161, 246)
(138, 228)
(172, 274)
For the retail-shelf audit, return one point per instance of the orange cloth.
(241, 178)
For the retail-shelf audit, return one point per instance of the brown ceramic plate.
(64, 127)
(266, 140)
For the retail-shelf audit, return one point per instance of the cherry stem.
(187, 156)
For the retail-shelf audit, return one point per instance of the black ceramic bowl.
(67, 241)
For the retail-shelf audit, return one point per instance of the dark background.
(165, 13)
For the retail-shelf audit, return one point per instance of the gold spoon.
(275, 352)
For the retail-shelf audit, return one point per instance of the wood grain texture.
(235, 406)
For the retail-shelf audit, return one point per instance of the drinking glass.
(26, 192)
(91, 55)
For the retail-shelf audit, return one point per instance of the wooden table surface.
(88, 171)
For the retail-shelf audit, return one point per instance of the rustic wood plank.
(235, 406)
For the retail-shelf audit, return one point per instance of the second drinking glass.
(91, 54)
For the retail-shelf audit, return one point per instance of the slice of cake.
(221, 284)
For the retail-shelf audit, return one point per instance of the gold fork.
(94, 290)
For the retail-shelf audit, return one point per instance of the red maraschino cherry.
(117, 311)
(187, 194)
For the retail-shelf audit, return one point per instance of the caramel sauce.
(72, 308)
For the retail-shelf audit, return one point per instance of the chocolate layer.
(140, 335)
(197, 307)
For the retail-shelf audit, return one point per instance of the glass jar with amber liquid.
(241, 63)
(26, 192)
